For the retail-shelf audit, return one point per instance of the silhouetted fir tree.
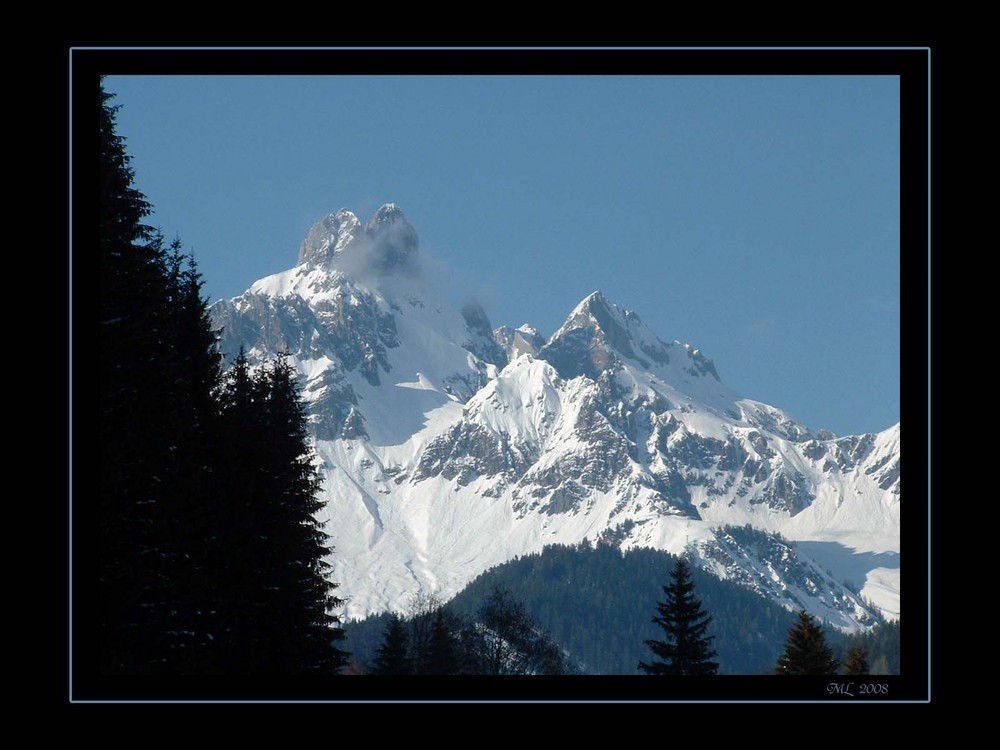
(129, 264)
(393, 657)
(806, 650)
(444, 654)
(277, 601)
(306, 626)
(237, 555)
(857, 661)
(187, 526)
(686, 649)
(211, 559)
(150, 430)
(199, 363)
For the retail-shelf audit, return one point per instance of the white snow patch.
(882, 589)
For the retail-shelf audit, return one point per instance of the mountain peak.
(391, 241)
(597, 310)
(596, 334)
(595, 305)
(387, 244)
(386, 214)
(525, 339)
(595, 297)
(329, 237)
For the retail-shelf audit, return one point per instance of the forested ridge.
(598, 603)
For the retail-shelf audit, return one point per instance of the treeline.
(881, 646)
(499, 638)
(599, 605)
(210, 558)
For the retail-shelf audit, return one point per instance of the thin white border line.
(70, 327)
(529, 49)
(520, 701)
(929, 426)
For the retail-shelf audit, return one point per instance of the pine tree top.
(687, 647)
(806, 651)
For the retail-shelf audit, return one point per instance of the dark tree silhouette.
(157, 371)
(210, 556)
(393, 657)
(307, 625)
(880, 646)
(504, 639)
(686, 649)
(444, 654)
(806, 651)
(419, 617)
(857, 661)
(273, 582)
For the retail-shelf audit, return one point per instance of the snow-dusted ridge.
(449, 447)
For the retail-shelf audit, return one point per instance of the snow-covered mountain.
(448, 447)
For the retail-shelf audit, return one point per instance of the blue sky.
(755, 217)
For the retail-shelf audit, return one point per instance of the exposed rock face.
(388, 244)
(329, 237)
(524, 339)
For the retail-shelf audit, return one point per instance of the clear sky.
(756, 218)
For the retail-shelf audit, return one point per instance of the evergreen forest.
(210, 560)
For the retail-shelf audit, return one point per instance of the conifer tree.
(128, 264)
(806, 650)
(393, 656)
(880, 647)
(444, 653)
(211, 559)
(305, 601)
(157, 372)
(686, 649)
(857, 661)
(278, 604)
